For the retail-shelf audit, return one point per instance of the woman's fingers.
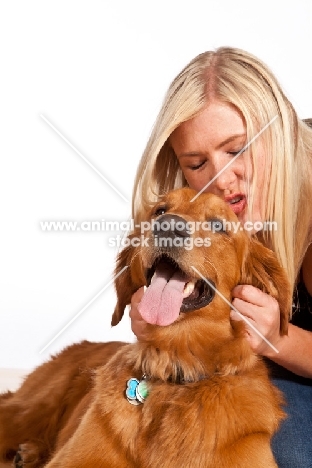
(262, 311)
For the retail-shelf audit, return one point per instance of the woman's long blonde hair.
(240, 79)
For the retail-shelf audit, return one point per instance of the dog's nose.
(171, 226)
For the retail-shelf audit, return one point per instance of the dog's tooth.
(189, 288)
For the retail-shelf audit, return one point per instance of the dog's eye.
(217, 225)
(160, 210)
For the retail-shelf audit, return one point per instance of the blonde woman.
(226, 127)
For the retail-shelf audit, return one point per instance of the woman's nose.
(223, 177)
(224, 180)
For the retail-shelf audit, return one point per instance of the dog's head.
(193, 254)
(189, 249)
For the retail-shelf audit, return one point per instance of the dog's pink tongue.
(162, 300)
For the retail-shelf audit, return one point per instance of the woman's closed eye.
(194, 167)
(235, 153)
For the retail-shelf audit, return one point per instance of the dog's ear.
(262, 269)
(129, 277)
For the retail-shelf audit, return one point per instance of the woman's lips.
(237, 202)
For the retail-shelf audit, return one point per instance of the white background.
(98, 71)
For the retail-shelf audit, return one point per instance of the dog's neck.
(181, 361)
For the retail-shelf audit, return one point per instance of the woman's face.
(205, 144)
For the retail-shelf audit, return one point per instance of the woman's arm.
(295, 349)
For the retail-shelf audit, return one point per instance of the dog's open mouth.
(171, 291)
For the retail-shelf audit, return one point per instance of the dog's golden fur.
(210, 402)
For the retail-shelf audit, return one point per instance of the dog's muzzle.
(171, 233)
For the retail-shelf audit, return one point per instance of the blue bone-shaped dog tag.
(131, 391)
(136, 391)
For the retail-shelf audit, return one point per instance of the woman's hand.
(138, 325)
(262, 310)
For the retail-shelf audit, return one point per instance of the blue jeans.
(292, 445)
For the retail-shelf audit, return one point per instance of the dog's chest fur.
(203, 417)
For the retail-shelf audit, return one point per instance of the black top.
(301, 317)
(302, 308)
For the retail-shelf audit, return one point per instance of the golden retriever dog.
(191, 393)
